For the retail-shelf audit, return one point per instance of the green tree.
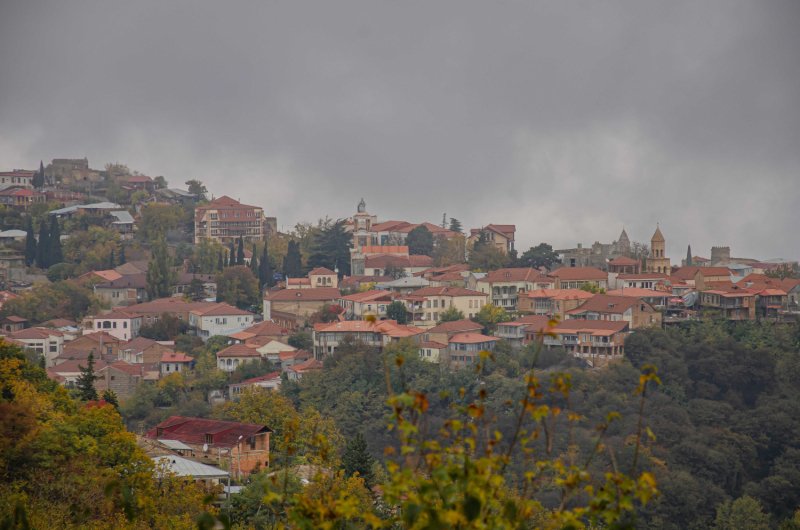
(160, 278)
(85, 381)
(238, 287)
(455, 225)
(394, 271)
(196, 187)
(161, 182)
(265, 276)
(38, 177)
(541, 255)
(196, 290)
(231, 255)
(490, 316)
(220, 265)
(357, 459)
(254, 263)
(240, 252)
(111, 260)
(450, 315)
(487, 257)
(30, 243)
(157, 220)
(110, 397)
(420, 241)
(332, 249)
(56, 254)
(292, 262)
(743, 514)
(204, 258)
(301, 341)
(43, 248)
(397, 311)
(122, 259)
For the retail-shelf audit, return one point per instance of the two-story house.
(121, 323)
(125, 291)
(515, 332)
(425, 305)
(358, 306)
(499, 236)
(595, 342)
(633, 310)
(553, 302)
(506, 285)
(299, 302)
(48, 342)
(219, 320)
(229, 359)
(376, 334)
(465, 349)
(733, 302)
(576, 277)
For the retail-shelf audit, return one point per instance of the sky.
(568, 119)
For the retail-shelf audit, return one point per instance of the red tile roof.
(579, 273)
(420, 261)
(512, 275)
(432, 345)
(320, 294)
(321, 271)
(269, 377)
(602, 303)
(624, 260)
(456, 325)
(220, 309)
(238, 350)
(194, 431)
(600, 327)
(472, 338)
(306, 366)
(139, 344)
(175, 357)
(446, 291)
(384, 249)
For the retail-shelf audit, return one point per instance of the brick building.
(225, 220)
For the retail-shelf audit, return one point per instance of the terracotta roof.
(369, 295)
(296, 354)
(624, 260)
(602, 303)
(504, 230)
(220, 309)
(194, 430)
(472, 338)
(126, 367)
(317, 294)
(238, 350)
(306, 366)
(30, 333)
(388, 226)
(74, 366)
(448, 277)
(419, 261)
(298, 281)
(579, 273)
(269, 377)
(686, 273)
(384, 249)
(267, 328)
(107, 339)
(645, 276)
(533, 322)
(14, 318)
(139, 344)
(457, 325)
(432, 345)
(512, 275)
(58, 323)
(446, 291)
(107, 275)
(599, 327)
(175, 357)
(772, 292)
(116, 314)
(458, 267)
(558, 294)
(321, 271)
(638, 292)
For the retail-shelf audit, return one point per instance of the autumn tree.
(157, 220)
(490, 316)
(451, 314)
(160, 278)
(238, 287)
(486, 257)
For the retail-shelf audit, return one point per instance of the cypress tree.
(219, 262)
(122, 255)
(38, 177)
(43, 248)
(160, 279)
(292, 262)
(254, 263)
(56, 254)
(30, 243)
(111, 260)
(265, 277)
(85, 381)
(110, 397)
(240, 253)
(357, 459)
(231, 258)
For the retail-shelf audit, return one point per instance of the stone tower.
(689, 256)
(623, 243)
(657, 262)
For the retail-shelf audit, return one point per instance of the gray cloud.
(567, 119)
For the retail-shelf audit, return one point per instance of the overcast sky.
(568, 119)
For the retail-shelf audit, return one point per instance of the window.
(436, 316)
(224, 215)
(125, 325)
(167, 368)
(209, 438)
(249, 214)
(108, 350)
(236, 214)
(53, 349)
(159, 433)
(436, 303)
(113, 377)
(148, 320)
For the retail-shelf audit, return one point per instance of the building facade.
(226, 220)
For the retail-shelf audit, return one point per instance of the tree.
(265, 276)
(161, 182)
(85, 381)
(238, 287)
(122, 259)
(301, 341)
(43, 248)
(420, 241)
(450, 315)
(196, 290)
(743, 514)
(490, 316)
(220, 264)
(38, 177)
(167, 327)
(449, 251)
(455, 225)
(332, 249)
(196, 188)
(254, 263)
(158, 219)
(781, 273)
(292, 262)
(111, 260)
(110, 397)
(394, 271)
(160, 278)
(592, 288)
(231, 255)
(397, 311)
(357, 459)
(30, 243)
(55, 255)
(541, 255)
(240, 252)
(486, 257)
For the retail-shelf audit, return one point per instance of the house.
(178, 466)
(732, 302)
(270, 382)
(404, 285)
(432, 351)
(48, 342)
(142, 182)
(221, 319)
(8, 237)
(61, 324)
(172, 362)
(273, 350)
(18, 177)
(68, 372)
(379, 264)
(226, 220)
(132, 267)
(122, 222)
(120, 323)
(20, 198)
(505, 285)
(360, 305)
(97, 209)
(459, 268)
(247, 443)
(322, 277)
(300, 302)
(120, 377)
(229, 359)
(299, 370)
(499, 236)
(142, 350)
(446, 331)
(96, 276)
(174, 306)
(771, 302)
(575, 277)
(788, 285)
(83, 355)
(124, 291)
(465, 349)
(706, 277)
(595, 342)
(624, 265)
(647, 280)
(425, 304)
(654, 298)
(553, 303)
(633, 310)
(209, 284)
(13, 323)
(261, 334)
(103, 342)
(515, 332)
(287, 359)
(376, 334)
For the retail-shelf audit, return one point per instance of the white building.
(222, 319)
